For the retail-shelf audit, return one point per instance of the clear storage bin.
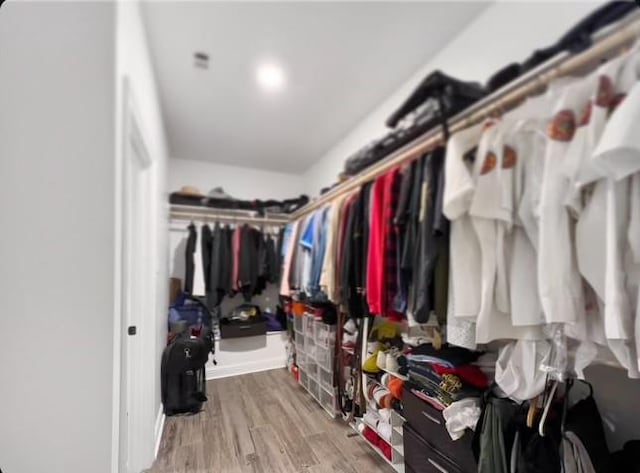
(301, 359)
(328, 401)
(308, 325)
(325, 335)
(325, 378)
(304, 379)
(297, 323)
(314, 389)
(324, 357)
(312, 368)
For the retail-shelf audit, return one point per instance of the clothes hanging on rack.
(230, 261)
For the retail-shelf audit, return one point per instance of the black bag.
(246, 320)
(433, 102)
(183, 383)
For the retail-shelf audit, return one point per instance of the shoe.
(391, 361)
(349, 341)
(381, 360)
(373, 347)
(350, 326)
(370, 366)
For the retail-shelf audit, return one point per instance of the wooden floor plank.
(262, 423)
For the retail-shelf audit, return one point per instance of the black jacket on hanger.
(189, 263)
(213, 294)
(432, 241)
(206, 239)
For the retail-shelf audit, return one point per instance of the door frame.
(129, 137)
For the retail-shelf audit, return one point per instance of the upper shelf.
(606, 43)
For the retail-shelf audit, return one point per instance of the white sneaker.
(350, 326)
(391, 361)
(381, 361)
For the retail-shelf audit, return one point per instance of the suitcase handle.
(431, 418)
(437, 466)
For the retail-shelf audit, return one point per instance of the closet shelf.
(188, 212)
(605, 42)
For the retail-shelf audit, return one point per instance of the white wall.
(239, 182)
(56, 206)
(503, 33)
(134, 64)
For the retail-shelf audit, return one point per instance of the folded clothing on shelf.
(447, 355)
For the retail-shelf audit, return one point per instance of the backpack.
(183, 383)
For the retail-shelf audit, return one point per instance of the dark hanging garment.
(189, 263)
(584, 420)
(410, 244)
(399, 302)
(279, 256)
(430, 242)
(206, 240)
(226, 261)
(347, 289)
(249, 267)
(272, 260)
(357, 246)
(245, 263)
(262, 268)
(213, 295)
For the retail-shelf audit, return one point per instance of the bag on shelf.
(436, 99)
(246, 320)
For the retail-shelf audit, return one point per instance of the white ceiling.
(341, 59)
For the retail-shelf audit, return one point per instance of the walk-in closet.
(312, 237)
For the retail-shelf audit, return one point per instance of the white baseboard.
(159, 428)
(217, 372)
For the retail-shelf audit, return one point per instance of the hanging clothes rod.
(230, 216)
(606, 43)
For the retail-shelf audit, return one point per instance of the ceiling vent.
(201, 60)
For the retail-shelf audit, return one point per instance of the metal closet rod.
(228, 218)
(609, 41)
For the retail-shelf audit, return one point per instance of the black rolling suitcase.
(183, 375)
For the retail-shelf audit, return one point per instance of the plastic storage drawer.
(314, 389)
(312, 368)
(328, 401)
(304, 379)
(308, 325)
(301, 359)
(325, 335)
(324, 357)
(325, 378)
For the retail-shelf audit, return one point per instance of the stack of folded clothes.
(443, 376)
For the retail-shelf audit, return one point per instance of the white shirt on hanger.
(464, 259)
(486, 213)
(198, 273)
(527, 141)
(559, 280)
(618, 154)
(464, 247)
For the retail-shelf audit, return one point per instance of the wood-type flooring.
(262, 423)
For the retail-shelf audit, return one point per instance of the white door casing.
(134, 352)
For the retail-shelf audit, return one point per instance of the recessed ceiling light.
(271, 77)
